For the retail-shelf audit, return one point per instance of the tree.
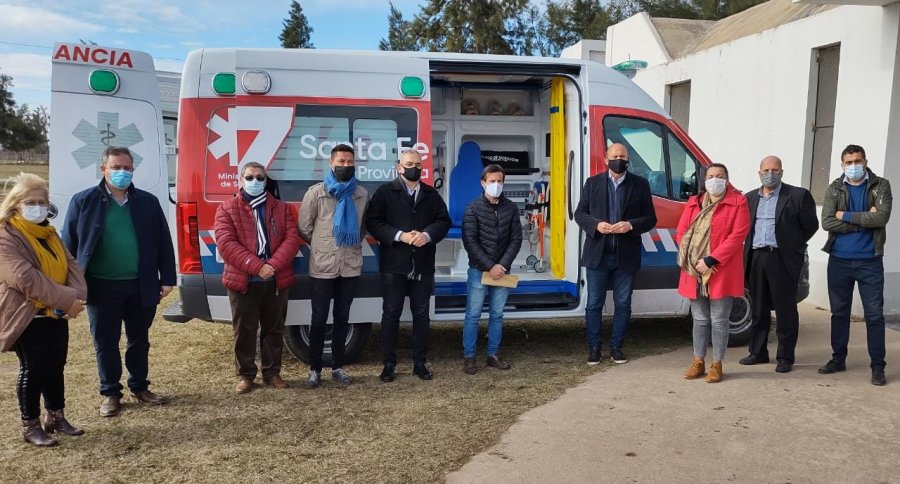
(399, 33)
(296, 31)
(569, 21)
(7, 109)
(694, 9)
(21, 129)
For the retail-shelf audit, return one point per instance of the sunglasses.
(258, 178)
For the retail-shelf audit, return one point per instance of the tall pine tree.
(399, 33)
(296, 31)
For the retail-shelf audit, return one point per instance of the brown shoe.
(34, 434)
(715, 372)
(110, 406)
(696, 370)
(495, 361)
(469, 366)
(244, 385)
(148, 397)
(56, 421)
(276, 381)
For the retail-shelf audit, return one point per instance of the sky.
(169, 29)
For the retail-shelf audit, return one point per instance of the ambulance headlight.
(256, 82)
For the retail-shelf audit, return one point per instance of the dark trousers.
(869, 275)
(262, 309)
(599, 280)
(772, 288)
(341, 290)
(42, 350)
(109, 304)
(395, 288)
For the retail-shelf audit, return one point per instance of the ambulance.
(547, 121)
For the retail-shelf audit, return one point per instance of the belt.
(766, 249)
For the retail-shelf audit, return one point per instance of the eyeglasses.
(257, 177)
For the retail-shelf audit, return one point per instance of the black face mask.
(618, 166)
(344, 173)
(412, 174)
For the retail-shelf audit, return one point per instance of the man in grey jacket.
(330, 222)
(492, 236)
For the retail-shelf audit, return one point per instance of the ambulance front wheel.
(296, 338)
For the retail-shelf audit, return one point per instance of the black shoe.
(754, 360)
(784, 367)
(878, 376)
(421, 371)
(833, 367)
(387, 374)
(594, 355)
(617, 356)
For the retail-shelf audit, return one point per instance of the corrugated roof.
(690, 36)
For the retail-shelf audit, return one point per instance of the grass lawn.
(406, 431)
(9, 169)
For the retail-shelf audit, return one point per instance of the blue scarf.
(345, 228)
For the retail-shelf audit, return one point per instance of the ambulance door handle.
(569, 184)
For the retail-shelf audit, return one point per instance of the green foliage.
(296, 31)
(21, 129)
(694, 9)
(399, 33)
(476, 26)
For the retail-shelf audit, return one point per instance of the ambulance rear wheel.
(740, 320)
(296, 338)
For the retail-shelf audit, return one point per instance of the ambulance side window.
(683, 167)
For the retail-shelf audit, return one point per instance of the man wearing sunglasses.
(257, 237)
(408, 218)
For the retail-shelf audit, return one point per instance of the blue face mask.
(254, 188)
(120, 178)
(854, 171)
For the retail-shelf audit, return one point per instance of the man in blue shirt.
(855, 212)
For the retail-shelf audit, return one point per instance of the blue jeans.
(869, 275)
(599, 281)
(109, 304)
(476, 292)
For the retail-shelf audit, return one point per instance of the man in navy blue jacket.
(119, 235)
(615, 208)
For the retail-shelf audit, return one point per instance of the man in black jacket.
(782, 220)
(408, 218)
(615, 209)
(492, 236)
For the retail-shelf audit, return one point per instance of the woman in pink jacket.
(710, 238)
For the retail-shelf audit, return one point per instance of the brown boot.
(56, 420)
(469, 366)
(715, 372)
(494, 361)
(696, 370)
(244, 385)
(276, 381)
(34, 434)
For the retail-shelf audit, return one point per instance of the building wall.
(634, 39)
(752, 97)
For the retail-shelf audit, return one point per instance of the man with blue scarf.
(331, 223)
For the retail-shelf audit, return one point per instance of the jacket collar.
(104, 190)
(874, 180)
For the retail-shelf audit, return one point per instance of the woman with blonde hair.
(41, 287)
(710, 238)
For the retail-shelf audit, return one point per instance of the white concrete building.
(798, 80)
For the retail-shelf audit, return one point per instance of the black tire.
(296, 338)
(740, 320)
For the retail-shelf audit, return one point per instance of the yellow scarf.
(54, 265)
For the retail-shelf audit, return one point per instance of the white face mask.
(715, 186)
(34, 213)
(493, 189)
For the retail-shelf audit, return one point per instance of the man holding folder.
(492, 236)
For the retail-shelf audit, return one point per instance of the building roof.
(682, 37)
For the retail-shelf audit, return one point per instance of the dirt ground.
(407, 431)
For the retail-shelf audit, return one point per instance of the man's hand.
(604, 228)
(419, 239)
(497, 272)
(164, 291)
(622, 227)
(873, 209)
(266, 272)
(839, 215)
(76, 309)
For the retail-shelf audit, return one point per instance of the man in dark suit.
(615, 209)
(782, 220)
(408, 218)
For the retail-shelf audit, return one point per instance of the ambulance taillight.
(188, 239)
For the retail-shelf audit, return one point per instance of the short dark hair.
(701, 185)
(853, 149)
(116, 151)
(342, 148)
(492, 168)
(716, 165)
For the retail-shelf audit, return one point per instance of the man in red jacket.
(257, 237)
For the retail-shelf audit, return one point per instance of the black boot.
(33, 433)
(56, 420)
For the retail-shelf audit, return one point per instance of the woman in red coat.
(710, 238)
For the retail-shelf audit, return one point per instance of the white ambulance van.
(547, 121)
